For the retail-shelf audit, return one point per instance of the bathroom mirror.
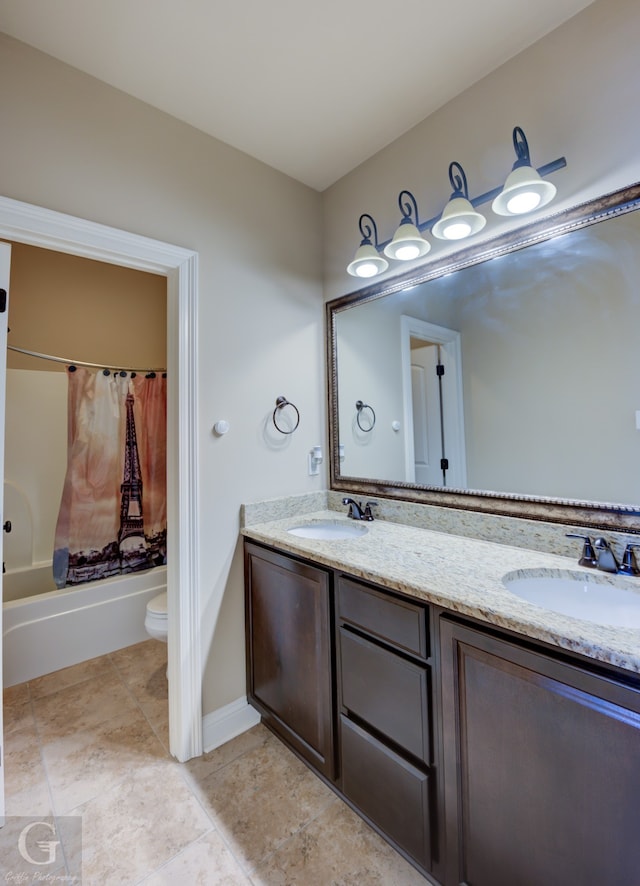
(536, 412)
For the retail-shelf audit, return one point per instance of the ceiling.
(311, 88)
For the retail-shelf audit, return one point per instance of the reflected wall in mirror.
(506, 380)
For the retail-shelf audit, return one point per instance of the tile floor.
(92, 740)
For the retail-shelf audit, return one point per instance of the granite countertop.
(459, 574)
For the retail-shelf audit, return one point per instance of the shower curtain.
(112, 515)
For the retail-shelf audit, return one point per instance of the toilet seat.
(155, 623)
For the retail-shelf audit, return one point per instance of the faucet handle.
(367, 510)
(628, 565)
(588, 557)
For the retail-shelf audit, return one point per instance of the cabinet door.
(289, 652)
(542, 768)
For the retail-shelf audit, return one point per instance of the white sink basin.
(606, 601)
(328, 530)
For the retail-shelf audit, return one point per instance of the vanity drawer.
(400, 622)
(387, 692)
(391, 792)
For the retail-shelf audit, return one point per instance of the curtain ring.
(281, 402)
(360, 406)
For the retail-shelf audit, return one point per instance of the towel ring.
(360, 406)
(281, 403)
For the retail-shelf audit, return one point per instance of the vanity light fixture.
(367, 261)
(459, 219)
(524, 189)
(407, 243)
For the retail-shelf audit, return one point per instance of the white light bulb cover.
(407, 244)
(367, 262)
(522, 183)
(458, 213)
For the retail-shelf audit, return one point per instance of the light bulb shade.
(458, 220)
(407, 244)
(523, 192)
(367, 262)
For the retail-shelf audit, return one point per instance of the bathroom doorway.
(71, 310)
(435, 450)
(24, 223)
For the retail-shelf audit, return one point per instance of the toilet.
(155, 621)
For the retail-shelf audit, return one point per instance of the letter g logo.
(45, 846)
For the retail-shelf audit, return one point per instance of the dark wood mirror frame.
(595, 515)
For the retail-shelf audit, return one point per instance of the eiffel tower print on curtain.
(116, 452)
(131, 539)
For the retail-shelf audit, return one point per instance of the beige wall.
(85, 310)
(77, 146)
(574, 93)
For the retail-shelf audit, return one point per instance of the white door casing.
(25, 223)
(5, 267)
(453, 420)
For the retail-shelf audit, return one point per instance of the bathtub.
(45, 629)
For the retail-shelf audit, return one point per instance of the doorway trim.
(26, 223)
(449, 340)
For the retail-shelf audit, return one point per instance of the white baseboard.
(226, 723)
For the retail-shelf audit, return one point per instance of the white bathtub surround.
(28, 581)
(59, 628)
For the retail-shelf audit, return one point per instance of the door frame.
(449, 340)
(5, 270)
(26, 223)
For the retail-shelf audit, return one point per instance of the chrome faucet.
(629, 565)
(606, 558)
(599, 555)
(356, 511)
(588, 557)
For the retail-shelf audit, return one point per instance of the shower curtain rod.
(75, 362)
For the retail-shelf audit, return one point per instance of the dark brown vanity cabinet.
(385, 729)
(486, 759)
(289, 652)
(542, 766)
